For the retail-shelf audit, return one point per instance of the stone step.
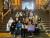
(47, 28)
(45, 21)
(5, 21)
(48, 32)
(47, 25)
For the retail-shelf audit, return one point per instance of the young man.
(18, 28)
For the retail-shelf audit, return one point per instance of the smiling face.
(16, 18)
(26, 20)
(29, 23)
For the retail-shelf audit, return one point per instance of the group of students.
(23, 24)
(23, 27)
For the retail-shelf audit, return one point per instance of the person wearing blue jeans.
(18, 28)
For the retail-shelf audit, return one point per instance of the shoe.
(29, 36)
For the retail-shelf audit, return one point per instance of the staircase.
(47, 27)
(5, 21)
(45, 17)
(46, 23)
(3, 24)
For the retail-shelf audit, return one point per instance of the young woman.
(31, 28)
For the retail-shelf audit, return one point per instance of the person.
(18, 28)
(30, 15)
(20, 13)
(9, 24)
(37, 30)
(26, 20)
(21, 18)
(12, 27)
(17, 14)
(24, 30)
(16, 19)
(31, 28)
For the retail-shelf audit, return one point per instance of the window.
(28, 5)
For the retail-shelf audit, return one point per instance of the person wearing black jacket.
(12, 28)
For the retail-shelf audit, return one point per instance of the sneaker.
(29, 36)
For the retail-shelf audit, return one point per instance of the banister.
(3, 15)
(6, 13)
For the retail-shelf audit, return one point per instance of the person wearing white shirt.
(9, 24)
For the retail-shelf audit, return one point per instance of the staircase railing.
(1, 11)
(3, 14)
